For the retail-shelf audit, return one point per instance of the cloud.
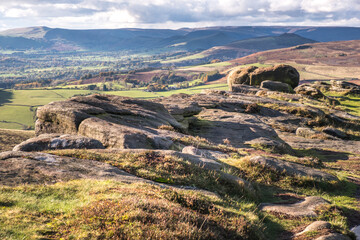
(176, 13)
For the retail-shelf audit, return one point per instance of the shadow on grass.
(323, 155)
(5, 97)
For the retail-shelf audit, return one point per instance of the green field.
(191, 57)
(18, 107)
(210, 65)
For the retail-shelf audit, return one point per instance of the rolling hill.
(248, 46)
(185, 39)
(314, 61)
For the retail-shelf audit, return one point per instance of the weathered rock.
(334, 144)
(305, 132)
(41, 168)
(197, 160)
(58, 141)
(277, 146)
(356, 231)
(240, 75)
(302, 209)
(215, 155)
(344, 87)
(114, 135)
(231, 128)
(203, 162)
(335, 132)
(115, 121)
(332, 101)
(321, 85)
(276, 86)
(240, 88)
(315, 226)
(180, 105)
(280, 73)
(254, 76)
(334, 236)
(309, 90)
(343, 84)
(290, 168)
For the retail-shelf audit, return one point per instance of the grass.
(163, 169)
(191, 57)
(10, 138)
(110, 210)
(210, 65)
(271, 184)
(348, 103)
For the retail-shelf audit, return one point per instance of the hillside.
(161, 39)
(246, 47)
(316, 61)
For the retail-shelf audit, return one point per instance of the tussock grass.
(88, 209)
(341, 194)
(163, 169)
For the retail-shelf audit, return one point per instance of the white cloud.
(315, 6)
(284, 5)
(176, 13)
(19, 13)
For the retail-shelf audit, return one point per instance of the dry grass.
(163, 169)
(152, 213)
(86, 209)
(10, 138)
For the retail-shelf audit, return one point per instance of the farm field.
(18, 107)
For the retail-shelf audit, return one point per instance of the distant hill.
(314, 61)
(186, 39)
(20, 43)
(245, 47)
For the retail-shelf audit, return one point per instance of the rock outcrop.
(315, 226)
(305, 132)
(119, 122)
(309, 90)
(115, 121)
(305, 208)
(19, 168)
(290, 168)
(217, 133)
(280, 73)
(58, 141)
(210, 154)
(240, 75)
(276, 86)
(344, 87)
(255, 76)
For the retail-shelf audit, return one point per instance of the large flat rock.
(120, 122)
(307, 143)
(290, 168)
(233, 128)
(115, 121)
(58, 141)
(302, 209)
(18, 168)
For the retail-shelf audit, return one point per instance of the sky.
(86, 14)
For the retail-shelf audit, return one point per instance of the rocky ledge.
(244, 138)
